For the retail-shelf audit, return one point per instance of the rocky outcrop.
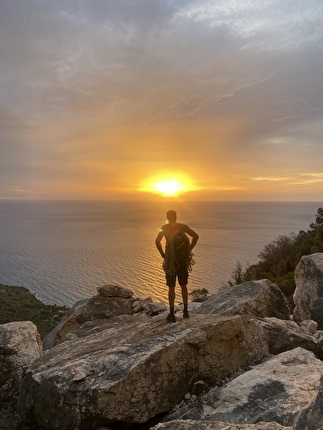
(269, 392)
(285, 335)
(110, 301)
(114, 362)
(308, 295)
(258, 299)
(131, 369)
(20, 346)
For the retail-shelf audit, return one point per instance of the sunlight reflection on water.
(63, 251)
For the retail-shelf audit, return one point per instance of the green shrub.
(278, 260)
(199, 295)
(18, 304)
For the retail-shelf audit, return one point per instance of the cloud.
(272, 179)
(309, 178)
(104, 92)
(269, 24)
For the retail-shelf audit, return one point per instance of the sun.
(168, 185)
(170, 188)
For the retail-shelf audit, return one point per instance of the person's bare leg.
(185, 301)
(171, 300)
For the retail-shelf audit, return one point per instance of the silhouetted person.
(177, 259)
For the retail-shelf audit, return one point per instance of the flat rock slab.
(217, 425)
(131, 368)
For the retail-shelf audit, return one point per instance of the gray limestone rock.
(20, 345)
(131, 368)
(110, 301)
(311, 418)
(257, 299)
(308, 295)
(309, 326)
(216, 425)
(285, 335)
(115, 291)
(274, 391)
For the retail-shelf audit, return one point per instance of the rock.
(153, 309)
(110, 301)
(103, 428)
(311, 418)
(308, 294)
(309, 326)
(200, 387)
(68, 323)
(20, 345)
(257, 299)
(269, 392)
(216, 425)
(131, 369)
(114, 291)
(148, 306)
(137, 306)
(286, 335)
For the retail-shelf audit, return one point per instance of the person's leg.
(185, 301)
(170, 282)
(171, 299)
(183, 280)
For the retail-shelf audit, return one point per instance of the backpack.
(182, 246)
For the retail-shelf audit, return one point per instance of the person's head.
(171, 216)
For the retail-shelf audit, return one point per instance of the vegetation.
(279, 259)
(199, 294)
(18, 304)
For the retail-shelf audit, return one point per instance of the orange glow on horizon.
(168, 185)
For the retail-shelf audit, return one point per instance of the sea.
(62, 251)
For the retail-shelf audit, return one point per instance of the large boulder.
(257, 299)
(131, 368)
(311, 418)
(275, 391)
(20, 345)
(111, 300)
(285, 335)
(308, 295)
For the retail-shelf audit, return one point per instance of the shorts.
(181, 274)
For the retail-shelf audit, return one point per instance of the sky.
(98, 97)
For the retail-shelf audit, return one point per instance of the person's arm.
(158, 239)
(193, 234)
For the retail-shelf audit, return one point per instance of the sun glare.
(168, 185)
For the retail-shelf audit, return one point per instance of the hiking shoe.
(186, 314)
(171, 318)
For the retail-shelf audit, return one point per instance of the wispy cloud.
(98, 94)
(269, 24)
(272, 179)
(309, 178)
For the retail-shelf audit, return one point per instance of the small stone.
(154, 308)
(79, 376)
(309, 326)
(200, 387)
(137, 306)
(114, 291)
